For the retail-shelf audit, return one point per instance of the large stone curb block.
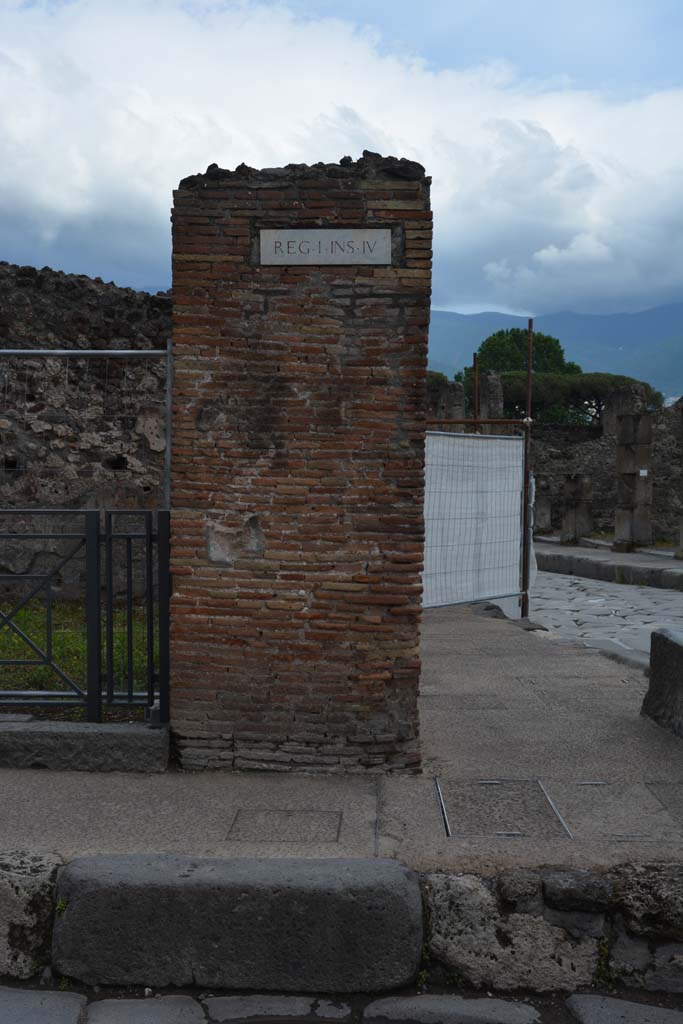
(664, 699)
(603, 1010)
(594, 568)
(26, 902)
(448, 1010)
(288, 925)
(672, 579)
(164, 1010)
(83, 746)
(21, 1007)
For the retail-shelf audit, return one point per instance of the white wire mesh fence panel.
(473, 517)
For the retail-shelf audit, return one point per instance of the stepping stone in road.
(603, 1010)
(260, 1008)
(448, 1010)
(166, 1010)
(18, 1006)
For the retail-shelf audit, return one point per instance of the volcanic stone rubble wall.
(77, 433)
(80, 434)
(562, 450)
(297, 482)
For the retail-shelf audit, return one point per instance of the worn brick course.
(298, 472)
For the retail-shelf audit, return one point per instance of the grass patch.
(69, 648)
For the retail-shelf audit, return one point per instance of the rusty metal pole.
(526, 511)
(475, 386)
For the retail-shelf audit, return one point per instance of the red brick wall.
(298, 472)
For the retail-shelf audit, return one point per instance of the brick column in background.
(297, 495)
(577, 513)
(633, 515)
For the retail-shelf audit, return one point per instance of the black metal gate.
(117, 653)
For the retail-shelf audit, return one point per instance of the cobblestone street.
(613, 617)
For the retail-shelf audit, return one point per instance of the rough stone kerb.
(288, 925)
(26, 908)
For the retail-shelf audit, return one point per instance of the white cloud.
(545, 196)
(583, 250)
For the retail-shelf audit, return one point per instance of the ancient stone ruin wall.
(560, 450)
(77, 433)
(297, 485)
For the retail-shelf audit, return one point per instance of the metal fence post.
(526, 510)
(93, 616)
(163, 568)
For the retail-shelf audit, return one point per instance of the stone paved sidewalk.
(613, 617)
(551, 723)
(641, 568)
(22, 1006)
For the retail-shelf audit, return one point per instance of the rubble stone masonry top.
(297, 482)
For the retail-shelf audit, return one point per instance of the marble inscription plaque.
(325, 246)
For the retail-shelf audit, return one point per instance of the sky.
(551, 129)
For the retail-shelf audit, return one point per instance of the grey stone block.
(663, 701)
(630, 957)
(18, 1006)
(164, 1010)
(576, 922)
(577, 890)
(520, 889)
(449, 1010)
(285, 925)
(553, 561)
(603, 1010)
(238, 1009)
(672, 579)
(83, 746)
(667, 973)
(26, 907)
(585, 566)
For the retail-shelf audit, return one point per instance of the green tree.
(506, 352)
(569, 397)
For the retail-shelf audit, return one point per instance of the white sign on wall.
(325, 246)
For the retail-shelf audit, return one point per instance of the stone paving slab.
(612, 617)
(439, 1009)
(604, 1010)
(498, 808)
(21, 1006)
(614, 811)
(25, 1006)
(163, 1010)
(247, 1009)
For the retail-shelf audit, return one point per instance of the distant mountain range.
(646, 345)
